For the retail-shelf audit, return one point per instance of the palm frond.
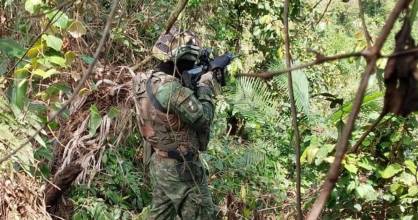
(300, 86)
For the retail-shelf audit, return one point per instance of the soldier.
(175, 122)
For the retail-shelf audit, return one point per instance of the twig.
(341, 147)
(175, 14)
(79, 85)
(325, 11)
(364, 25)
(142, 63)
(366, 133)
(296, 138)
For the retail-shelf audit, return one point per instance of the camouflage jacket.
(184, 120)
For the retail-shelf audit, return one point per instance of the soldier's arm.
(196, 111)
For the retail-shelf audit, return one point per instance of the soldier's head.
(181, 48)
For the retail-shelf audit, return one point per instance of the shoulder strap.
(152, 97)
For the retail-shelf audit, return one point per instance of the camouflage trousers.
(179, 193)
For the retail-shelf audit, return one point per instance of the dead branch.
(142, 63)
(296, 138)
(341, 147)
(364, 25)
(175, 14)
(79, 85)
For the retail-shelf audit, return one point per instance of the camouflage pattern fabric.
(180, 190)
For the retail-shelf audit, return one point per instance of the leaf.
(33, 5)
(413, 191)
(366, 191)
(351, 168)
(95, 120)
(69, 57)
(87, 59)
(61, 19)
(11, 48)
(77, 29)
(57, 60)
(19, 89)
(309, 154)
(391, 171)
(52, 42)
(44, 74)
(396, 188)
(36, 49)
(113, 112)
(411, 166)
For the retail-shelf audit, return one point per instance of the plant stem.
(296, 135)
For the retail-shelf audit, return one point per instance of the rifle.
(217, 65)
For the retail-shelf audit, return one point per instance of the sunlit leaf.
(33, 5)
(52, 42)
(411, 166)
(367, 192)
(61, 19)
(391, 171)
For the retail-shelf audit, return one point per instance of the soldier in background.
(175, 122)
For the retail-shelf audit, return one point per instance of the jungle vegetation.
(346, 126)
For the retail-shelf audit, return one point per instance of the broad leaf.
(11, 48)
(366, 191)
(411, 166)
(391, 171)
(61, 20)
(52, 42)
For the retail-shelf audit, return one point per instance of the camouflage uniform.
(177, 129)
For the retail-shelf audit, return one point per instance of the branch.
(341, 147)
(363, 24)
(366, 133)
(79, 85)
(296, 138)
(175, 14)
(319, 60)
(325, 11)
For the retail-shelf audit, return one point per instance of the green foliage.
(119, 191)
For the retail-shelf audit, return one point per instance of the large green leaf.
(61, 20)
(52, 42)
(11, 48)
(367, 192)
(391, 171)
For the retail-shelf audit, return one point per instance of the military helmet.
(177, 45)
